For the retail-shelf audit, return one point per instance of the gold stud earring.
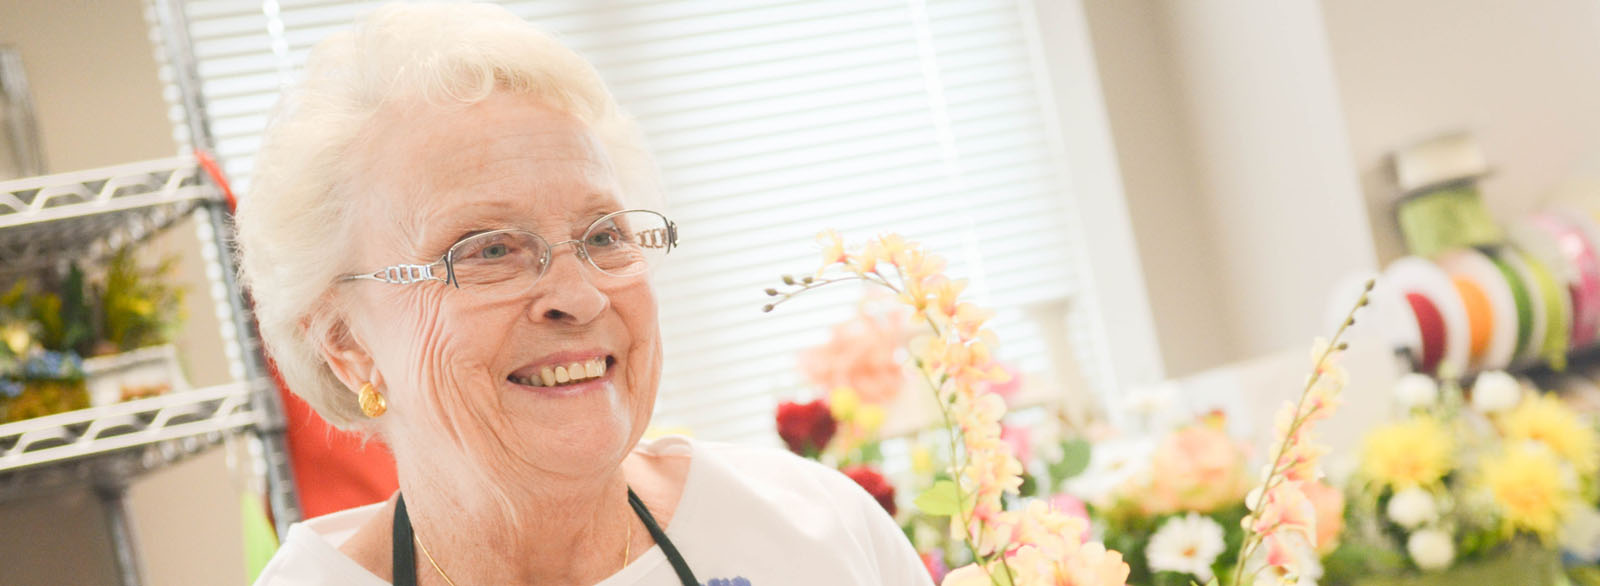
(372, 402)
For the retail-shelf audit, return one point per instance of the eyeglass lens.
(620, 245)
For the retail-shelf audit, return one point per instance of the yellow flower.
(832, 247)
(868, 418)
(842, 402)
(921, 460)
(1529, 487)
(1412, 453)
(17, 339)
(1545, 419)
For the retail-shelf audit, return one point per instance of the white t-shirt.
(749, 516)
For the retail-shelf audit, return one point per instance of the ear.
(344, 352)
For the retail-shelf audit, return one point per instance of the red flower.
(806, 427)
(876, 485)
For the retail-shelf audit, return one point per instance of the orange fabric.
(332, 470)
(1479, 314)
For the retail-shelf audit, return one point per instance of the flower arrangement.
(1463, 488)
(47, 327)
(1032, 542)
(843, 429)
(1176, 509)
(36, 378)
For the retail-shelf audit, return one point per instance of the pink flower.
(1019, 439)
(968, 575)
(806, 427)
(934, 562)
(860, 355)
(1286, 511)
(1007, 390)
(1199, 468)
(1329, 505)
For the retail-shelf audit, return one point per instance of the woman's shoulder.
(803, 510)
(750, 464)
(310, 553)
(732, 479)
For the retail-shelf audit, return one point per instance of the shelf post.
(113, 501)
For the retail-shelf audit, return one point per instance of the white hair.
(299, 205)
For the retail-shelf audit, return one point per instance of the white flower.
(1495, 391)
(1112, 466)
(1412, 508)
(1416, 390)
(1187, 545)
(1431, 549)
(1580, 534)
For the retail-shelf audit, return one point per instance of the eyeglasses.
(619, 244)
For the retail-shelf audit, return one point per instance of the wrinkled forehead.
(507, 150)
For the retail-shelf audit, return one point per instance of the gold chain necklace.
(627, 553)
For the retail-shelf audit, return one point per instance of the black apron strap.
(680, 566)
(405, 552)
(405, 549)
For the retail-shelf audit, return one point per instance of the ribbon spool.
(1491, 307)
(1562, 245)
(1430, 328)
(1388, 318)
(1532, 318)
(1558, 313)
(1443, 326)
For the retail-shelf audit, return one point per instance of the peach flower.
(1329, 504)
(860, 355)
(1201, 469)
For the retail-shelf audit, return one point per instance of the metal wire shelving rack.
(46, 221)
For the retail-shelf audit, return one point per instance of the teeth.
(575, 372)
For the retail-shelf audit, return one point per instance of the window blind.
(771, 121)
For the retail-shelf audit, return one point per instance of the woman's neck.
(570, 531)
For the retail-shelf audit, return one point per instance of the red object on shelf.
(1431, 325)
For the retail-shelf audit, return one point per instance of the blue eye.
(495, 251)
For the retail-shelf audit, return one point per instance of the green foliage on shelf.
(139, 306)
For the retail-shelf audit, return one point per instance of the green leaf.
(1001, 578)
(1074, 459)
(940, 499)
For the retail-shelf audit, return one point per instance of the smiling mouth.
(567, 374)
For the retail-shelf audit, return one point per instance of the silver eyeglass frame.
(406, 274)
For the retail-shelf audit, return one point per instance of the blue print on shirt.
(734, 581)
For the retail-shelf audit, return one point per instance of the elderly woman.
(449, 242)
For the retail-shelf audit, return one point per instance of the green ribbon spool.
(1558, 325)
(1519, 294)
(1450, 216)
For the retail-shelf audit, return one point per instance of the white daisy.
(1113, 465)
(1431, 549)
(1416, 391)
(1187, 545)
(1495, 391)
(1412, 508)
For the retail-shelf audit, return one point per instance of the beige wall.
(1232, 147)
(1523, 76)
(1175, 244)
(99, 103)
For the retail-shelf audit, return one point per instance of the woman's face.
(454, 363)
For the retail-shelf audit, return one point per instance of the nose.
(565, 292)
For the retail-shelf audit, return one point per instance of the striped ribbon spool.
(1570, 246)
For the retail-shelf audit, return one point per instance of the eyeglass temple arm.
(404, 274)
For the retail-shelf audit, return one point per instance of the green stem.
(957, 441)
(1274, 477)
